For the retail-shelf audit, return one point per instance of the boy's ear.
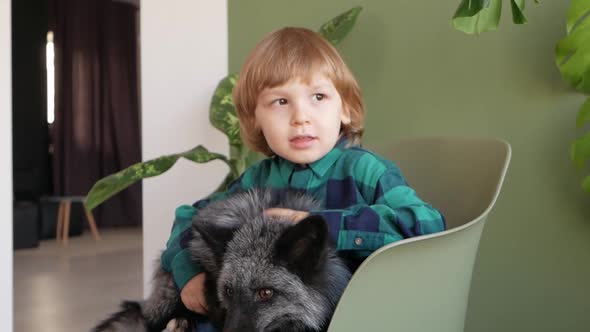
(345, 117)
(302, 247)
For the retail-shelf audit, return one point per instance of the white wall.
(5, 168)
(183, 56)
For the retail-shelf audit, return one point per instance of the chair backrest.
(422, 284)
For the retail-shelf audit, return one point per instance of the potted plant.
(476, 16)
(572, 56)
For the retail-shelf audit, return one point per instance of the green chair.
(422, 284)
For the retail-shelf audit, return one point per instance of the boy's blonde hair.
(286, 54)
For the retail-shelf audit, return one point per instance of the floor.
(69, 289)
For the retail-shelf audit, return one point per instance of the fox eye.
(265, 294)
(229, 291)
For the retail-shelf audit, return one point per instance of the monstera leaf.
(572, 55)
(476, 16)
(573, 52)
(222, 115)
(580, 154)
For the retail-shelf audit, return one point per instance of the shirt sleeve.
(176, 257)
(392, 211)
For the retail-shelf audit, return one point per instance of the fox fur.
(261, 273)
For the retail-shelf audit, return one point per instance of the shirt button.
(358, 241)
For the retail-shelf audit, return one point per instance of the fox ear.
(209, 244)
(302, 246)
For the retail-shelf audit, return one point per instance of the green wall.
(421, 77)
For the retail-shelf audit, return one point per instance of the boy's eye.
(319, 96)
(280, 101)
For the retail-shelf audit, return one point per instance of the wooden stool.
(63, 217)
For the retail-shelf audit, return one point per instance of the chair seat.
(422, 284)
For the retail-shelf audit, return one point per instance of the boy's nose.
(299, 115)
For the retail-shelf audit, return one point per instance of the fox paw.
(179, 325)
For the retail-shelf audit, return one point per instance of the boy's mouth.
(302, 141)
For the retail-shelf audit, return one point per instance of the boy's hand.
(193, 294)
(294, 215)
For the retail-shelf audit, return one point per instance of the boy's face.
(301, 122)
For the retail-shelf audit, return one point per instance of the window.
(50, 78)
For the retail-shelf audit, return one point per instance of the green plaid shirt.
(367, 203)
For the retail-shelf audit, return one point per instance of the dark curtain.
(96, 130)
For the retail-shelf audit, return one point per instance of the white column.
(5, 168)
(184, 55)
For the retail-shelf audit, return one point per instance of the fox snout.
(239, 320)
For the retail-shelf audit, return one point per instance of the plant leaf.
(577, 10)
(586, 184)
(517, 9)
(583, 115)
(201, 155)
(222, 112)
(572, 53)
(473, 21)
(337, 28)
(229, 178)
(241, 158)
(251, 158)
(114, 183)
(470, 8)
(580, 151)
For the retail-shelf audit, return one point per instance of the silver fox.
(262, 274)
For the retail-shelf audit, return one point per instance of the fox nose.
(239, 320)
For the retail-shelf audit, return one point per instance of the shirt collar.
(319, 167)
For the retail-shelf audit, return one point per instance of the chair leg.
(68, 206)
(92, 224)
(60, 215)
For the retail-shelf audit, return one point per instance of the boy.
(299, 104)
